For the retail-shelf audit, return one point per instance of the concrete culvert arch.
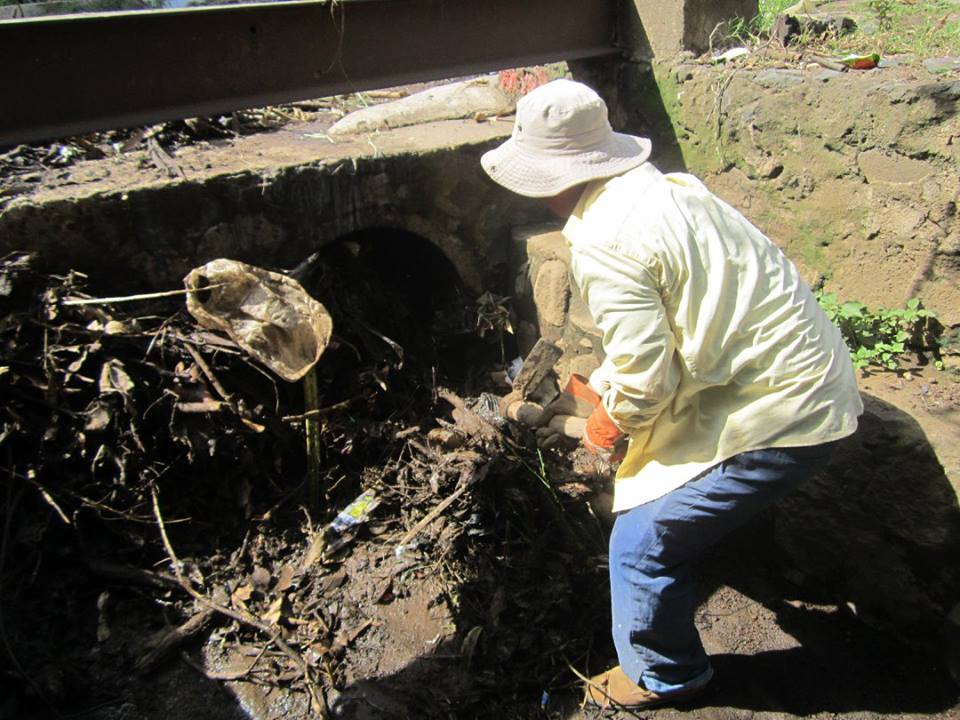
(392, 285)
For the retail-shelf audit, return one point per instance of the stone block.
(551, 294)
(776, 79)
(530, 247)
(242, 235)
(551, 332)
(880, 167)
(880, 528)
(548, 246)
(522, 234)
(942, 65)
(654, 28)
(577, 364)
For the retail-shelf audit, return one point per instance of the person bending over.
(727, 380)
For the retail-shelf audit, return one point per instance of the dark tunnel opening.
(387, 287)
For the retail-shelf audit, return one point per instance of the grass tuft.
(925, 28)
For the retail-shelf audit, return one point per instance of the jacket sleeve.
(641, 371)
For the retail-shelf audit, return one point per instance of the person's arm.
(642, 370)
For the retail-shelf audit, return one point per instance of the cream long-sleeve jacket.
(714, 345)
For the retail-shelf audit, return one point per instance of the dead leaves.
(264, 595)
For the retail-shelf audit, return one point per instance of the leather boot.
(613, 688)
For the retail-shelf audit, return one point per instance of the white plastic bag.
(267, 314)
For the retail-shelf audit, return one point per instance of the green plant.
(750, 30)
(929, 28)
(768, 11)
(883, 9)
(881, 337)
(743, 30)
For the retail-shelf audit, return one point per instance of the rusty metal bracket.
(74, 74)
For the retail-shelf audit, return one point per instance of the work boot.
(614, 688)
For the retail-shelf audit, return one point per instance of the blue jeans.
(652, 548)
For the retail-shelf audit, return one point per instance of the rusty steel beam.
(69, 75)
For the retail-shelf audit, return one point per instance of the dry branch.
(168, 641)
(132, 575)
(70, 301)
(467, 479)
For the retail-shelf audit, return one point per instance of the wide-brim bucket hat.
(562, 138)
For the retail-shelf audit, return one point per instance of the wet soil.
(778, 653)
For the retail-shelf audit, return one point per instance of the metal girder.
(68, 75)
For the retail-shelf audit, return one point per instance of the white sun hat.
(562, 138)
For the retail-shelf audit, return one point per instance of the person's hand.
(566, 405)
(566, 416)
(606, 456)
(559, 428)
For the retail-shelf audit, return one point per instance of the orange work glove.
(601, 433)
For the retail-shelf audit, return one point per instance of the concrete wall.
(149, 235)
(662, 28)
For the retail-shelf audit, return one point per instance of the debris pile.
(155, 512)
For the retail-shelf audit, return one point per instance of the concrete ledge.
(272, 199)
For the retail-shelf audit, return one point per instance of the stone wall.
(549, 302)
(854, 175)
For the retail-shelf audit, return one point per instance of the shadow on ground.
(783, 638)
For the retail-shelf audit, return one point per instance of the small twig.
(163, 160)
(43, 492)
(395, 346)
(52, 503)
(589, 682)
(319, 412)
(221, 391)
(237, 674)
(159, 334)
(205, 369)
(467, 480)
(425, 451)
(718, 105)
(204, 406)
(126, 574)
(87, 502)
(713, 33)
(311, 401)
(170, 640)
(68, 301)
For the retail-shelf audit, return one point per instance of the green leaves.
(880, 338)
